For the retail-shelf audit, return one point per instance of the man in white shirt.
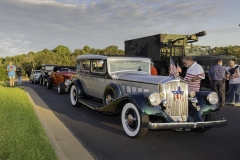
(194, 75)
(234, 82)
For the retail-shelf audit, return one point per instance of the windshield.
(48, 68)
(129, 65)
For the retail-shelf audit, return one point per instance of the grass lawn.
(21, 133)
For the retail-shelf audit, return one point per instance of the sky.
(33, 25)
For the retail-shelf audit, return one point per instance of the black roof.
(48, 64)
(63, 67)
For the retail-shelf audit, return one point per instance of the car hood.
(144, 78)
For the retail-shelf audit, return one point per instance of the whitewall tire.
(134, 124)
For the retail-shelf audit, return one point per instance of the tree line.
(61, 55)
(229, 50)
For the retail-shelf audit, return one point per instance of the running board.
(90, 103)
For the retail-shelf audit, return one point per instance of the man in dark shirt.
(19, 74)
(217, 74)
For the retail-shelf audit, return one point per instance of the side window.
(98, 66)
(85, 65)
(79, 66)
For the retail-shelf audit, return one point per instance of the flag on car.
(173, 71)
(173, 68)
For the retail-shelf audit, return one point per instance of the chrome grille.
(177, 108)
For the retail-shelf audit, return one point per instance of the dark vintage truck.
(160, 47)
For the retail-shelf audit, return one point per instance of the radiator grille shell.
(177, 104)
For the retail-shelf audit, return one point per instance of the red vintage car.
(61, 77)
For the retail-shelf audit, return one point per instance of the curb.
(66, 146)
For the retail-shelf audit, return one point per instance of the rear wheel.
(109, 95)
(74, 96)
(61, 88)
(134, 124)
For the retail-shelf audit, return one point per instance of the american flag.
(173, 70)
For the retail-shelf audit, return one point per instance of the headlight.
(67, 82)
(154, 99)
(192, 94)
(212, 98)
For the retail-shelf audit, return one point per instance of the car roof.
(48, 65)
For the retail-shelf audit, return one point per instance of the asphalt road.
(104, 138)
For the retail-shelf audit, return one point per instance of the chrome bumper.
(187, 125)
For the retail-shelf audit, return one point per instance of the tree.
(86, 50)
(61, 50)
(111, 50)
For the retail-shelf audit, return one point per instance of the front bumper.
(187, 125)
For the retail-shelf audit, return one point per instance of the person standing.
(19, 75)
(153, 69)
(217, 74)
(194, 74)
(234, 82)
(11, 73)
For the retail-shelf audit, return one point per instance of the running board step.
(90, 103)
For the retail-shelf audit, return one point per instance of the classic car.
(35, 76)
(61, 77)
(123, 85)
(46, 70)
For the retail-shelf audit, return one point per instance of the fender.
(206, 108)
(140, 100)
(79, 87)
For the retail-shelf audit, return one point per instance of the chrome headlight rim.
(212, 98)
(67, 82)
(154, 99)
(192, 94)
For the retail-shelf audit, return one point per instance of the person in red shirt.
(153, 69)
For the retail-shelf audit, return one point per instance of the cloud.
(40, 24)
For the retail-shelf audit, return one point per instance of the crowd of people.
(218, 74)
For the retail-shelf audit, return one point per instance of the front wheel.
(44, 81)
(61, 88)
(134, 124)
(49, 83)
(40, 82)
(74, 96)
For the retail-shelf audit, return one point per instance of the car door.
(83, 71)
(98, 78)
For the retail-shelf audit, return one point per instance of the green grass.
(21, 134)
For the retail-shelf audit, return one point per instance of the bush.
(3, 74)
